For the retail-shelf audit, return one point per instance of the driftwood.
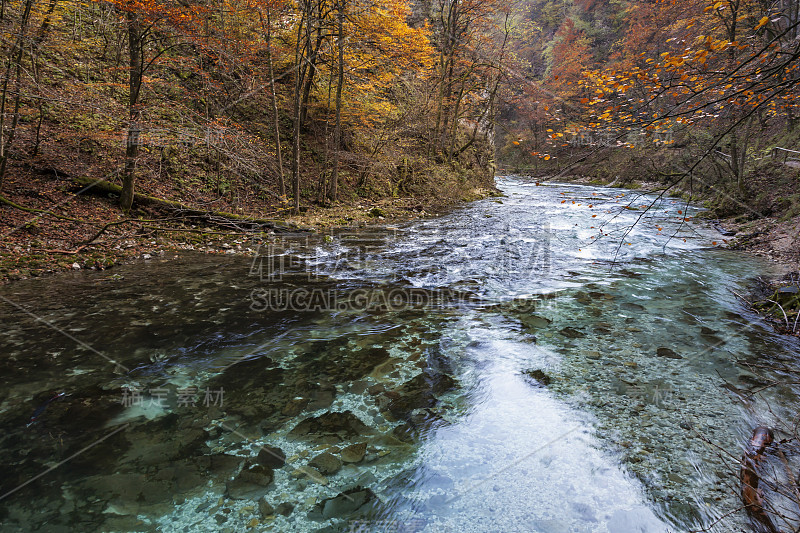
(752, 496)
(218, 218)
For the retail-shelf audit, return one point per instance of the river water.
(536, 362)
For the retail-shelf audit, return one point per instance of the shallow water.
(530, 363)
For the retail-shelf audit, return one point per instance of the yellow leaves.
(701, 56)
(716, 6)
(763, 22)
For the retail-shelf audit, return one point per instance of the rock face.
(326, 463)
(331, 427)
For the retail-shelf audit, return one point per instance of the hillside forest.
(142, 118)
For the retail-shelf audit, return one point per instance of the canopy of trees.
(682, 85)
(275, 101)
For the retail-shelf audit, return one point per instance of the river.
(556, 360)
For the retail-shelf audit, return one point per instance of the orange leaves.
(761, 23)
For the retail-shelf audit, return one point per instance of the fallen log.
(752, 496)
(218, 218)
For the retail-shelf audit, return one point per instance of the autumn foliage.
(284, 102)
(696, 79)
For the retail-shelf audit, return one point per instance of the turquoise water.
(515, 365)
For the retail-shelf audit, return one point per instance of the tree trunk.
(311, 60)
(337, 134)
(15, 64)
(135, 52)
(300, 52)
(276, 122)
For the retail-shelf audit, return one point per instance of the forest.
(701, 96)
(262, 110)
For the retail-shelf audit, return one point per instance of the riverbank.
(59, 230)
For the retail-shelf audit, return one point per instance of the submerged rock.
(265, 508)
(629, 306)
(538, 377)
(335, 426)
(295, 406)
(284, 509)
(345, 504)
(326, 463)
(251, 483)
(534, 321)
(271, 457)
(223, 465)
(583, 298)
(572, 333)
(258, 474)
(666, 352)
(354, 453)
(418, 393)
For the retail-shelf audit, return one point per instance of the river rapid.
(560, 359)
